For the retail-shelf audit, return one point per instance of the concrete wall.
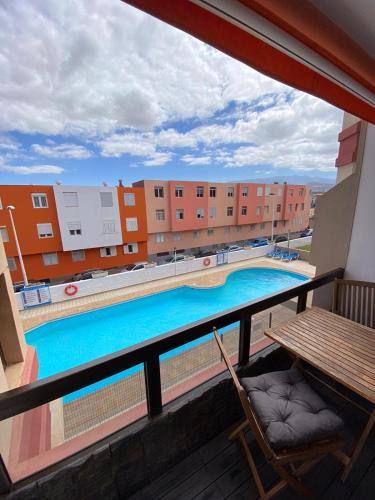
(361, 257)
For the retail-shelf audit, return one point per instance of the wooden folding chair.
(355, 300)
(290, 464)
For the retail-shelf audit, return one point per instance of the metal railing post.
(5, 481)
(244, 341)
(301, 303)
(153, 387)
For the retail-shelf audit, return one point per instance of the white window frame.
(230, 211)
(159, 191)
(213, 191)
(212, 212)
(4, 231)
(104, 199)
(179, 191)
(131, 224)
(131, 248)
(199, 213)
(245, 191)
(227, 229)
(258, 210)
(39, 196)
(43, 232)
(263, 225)
(129, 199)
(259, 191)
(196, 234)
(267, 191)
(177, 236)
(109, 227)
(244, 210)
(278, 208)
(12, 264)
(266, 209)
(179, 214)
(210, 232)
(200, 191)
(1, 203)
(160, 214)
(50, 258)
(78, 255)
(70, 198)
(230, 192)
(110, 251)
(159, 237)
(74, 228)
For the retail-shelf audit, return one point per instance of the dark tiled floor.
(218, 471)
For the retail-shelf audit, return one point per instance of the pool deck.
(204, 278)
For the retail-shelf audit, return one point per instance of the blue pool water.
(71, 341)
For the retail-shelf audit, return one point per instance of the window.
(44, 230)
(244, 210)
(245, 191)
(129, 199)
(301, 192)
(108, 252)
(39, 200)
(179, 191)
(275, 223)
(1, 204)
(289, 207)
(239, 229)
(131, 248)
(267, 191)
(176, 236)
(50, 259)
(266, 209)
(200, 191)
(253, 227)
(11, 264)
(227, 229)
(259, 191)
(296, 207)
(74, 228)
(302, 206)
(258, 210)
(160, 214)
(230, 192)
(109, 227)
(290, 192)
(131, 224)
(212, 212)
(159, 238)
(212, 192)
(78, 255)
(229, 211)
(196, 234)
(278, 207)
(263, 225)
(200, 213)
(179, 213)
(106, 199)
(70, 199)
(159, 191)
(4, 234)
(210, 232)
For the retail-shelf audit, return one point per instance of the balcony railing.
(35, 394)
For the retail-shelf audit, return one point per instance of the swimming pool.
(68, 342)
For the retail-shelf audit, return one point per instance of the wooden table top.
(340, 348)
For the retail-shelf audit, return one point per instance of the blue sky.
(100, 91)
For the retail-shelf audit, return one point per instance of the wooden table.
(340, 348)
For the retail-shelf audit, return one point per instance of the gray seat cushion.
(290, 412)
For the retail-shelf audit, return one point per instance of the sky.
(97, 91)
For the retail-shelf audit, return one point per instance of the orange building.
(64, 230)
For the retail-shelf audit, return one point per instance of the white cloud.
(62, 151)
(34, 169)
(196, 160)
(8, 144)
(158, 159)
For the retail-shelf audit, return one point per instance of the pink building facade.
(193, 215)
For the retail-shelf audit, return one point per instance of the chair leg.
(292, 481)
(252, 466)
(235, 433)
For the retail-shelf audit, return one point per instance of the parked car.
(205, 253)
(230, 248)
(279, 239)
(258, 242)
(86, 275)
(136, 267)
(17, 287)
(174, 258)
(306, 232)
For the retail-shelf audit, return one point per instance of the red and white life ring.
(70, 290)
(206, 262)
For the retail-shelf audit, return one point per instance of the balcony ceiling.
(322, 47)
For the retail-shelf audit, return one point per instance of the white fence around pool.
(129, 278)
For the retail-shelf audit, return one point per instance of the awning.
(302, 44)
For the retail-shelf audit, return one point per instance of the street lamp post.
(273, 214)
(24, 275)
(175, 261)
